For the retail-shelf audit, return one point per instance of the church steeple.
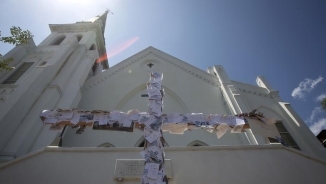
(101, 19)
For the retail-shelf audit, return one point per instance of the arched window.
(93, 47)
(105, 145)
(79, 37)
(18, 73)
(141, 143)
(197, 143)
(58, 40)
(94, 67)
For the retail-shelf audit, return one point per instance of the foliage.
(18, 36)
(323, 103)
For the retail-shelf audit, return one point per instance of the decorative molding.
(256, 93)
(46, 49)
(56, 87)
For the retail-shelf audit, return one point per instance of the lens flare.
(117, 49)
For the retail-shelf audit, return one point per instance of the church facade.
(69, 70)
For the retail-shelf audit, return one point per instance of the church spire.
(101, 18)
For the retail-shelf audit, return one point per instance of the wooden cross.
(150, 123)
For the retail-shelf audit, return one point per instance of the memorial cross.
(152, 123)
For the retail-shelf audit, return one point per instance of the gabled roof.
(188, 68)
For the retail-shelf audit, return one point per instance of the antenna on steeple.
(109, 11)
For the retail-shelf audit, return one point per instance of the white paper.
(151, 136)
(133, 115)
(126, 122)
(50, 120)
(144, 154)
(52, 114)
(65, 115)
(151, 119)
(154, 94)
(152, 170)
(103, 120)
(86, 117)
(143, 117)
(239, 121)
(75, 118)
(215, 119)
(175, 128)
(237, 129)
(97, 116)
(155, 107)
(117, 115)
(45, 113)
(221, 130)
(260, 128)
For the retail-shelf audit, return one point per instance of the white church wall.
(17, 54)
(31, 88)
(229, 164)
(261, 99)
(120, 88)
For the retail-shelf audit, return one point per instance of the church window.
(142, 144)
(106, 145)
(79, 37)
(18, 73)
(58, 40)
(92, 47)
(285, 135)
(197, 143)
(43, 63)
(94, 67)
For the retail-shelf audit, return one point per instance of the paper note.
(260, 128)
(75, 118)
(151, 136)
(50, 120)
(221, 129)
(103, 119)
(133, 115)
(86, 117)
(152, 170)
(45, 113)
(237, 129)
(175, 128)
(65, 115)
(126, 122)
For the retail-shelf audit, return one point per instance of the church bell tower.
(47, 76)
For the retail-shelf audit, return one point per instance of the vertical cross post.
(153, 148)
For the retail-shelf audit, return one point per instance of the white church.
(69, 70)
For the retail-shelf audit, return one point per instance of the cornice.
(191, 71)
(252, 92)
(46, 49)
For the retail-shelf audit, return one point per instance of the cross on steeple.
(150, 65)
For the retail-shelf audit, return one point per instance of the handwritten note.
(267, 129)
(152, 170)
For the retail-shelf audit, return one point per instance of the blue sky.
(285, 41)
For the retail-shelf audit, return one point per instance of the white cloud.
(320, 97)
(305, 87)
(318, 126)
(314, 113)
